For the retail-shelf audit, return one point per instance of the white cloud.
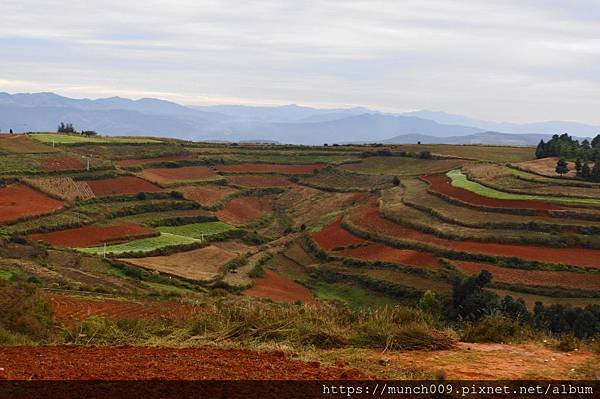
(509, 60)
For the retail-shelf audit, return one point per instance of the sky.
(503, 60)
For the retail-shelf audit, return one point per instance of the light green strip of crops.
(164, 240)
(460, 180)
(197, 230)
(73, 139)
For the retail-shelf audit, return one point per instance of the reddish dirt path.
(121, 185)
(367, 217)
(18, 200)
(61, 163)
(271, 168)
(147, 363)
(245, 209)
(279, 288)
(533, 277)
(165, 158)
(442, 184)
(259, 181)
(69, 309)
(334, 235)
(384, 253)
(89, 236)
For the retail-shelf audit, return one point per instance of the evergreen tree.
(540, 151)
(596, 141)
(578, 166)
(562, 167)
(595, 173)
(585, 171)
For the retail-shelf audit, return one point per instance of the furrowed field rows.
(416, 195)
(367, 218)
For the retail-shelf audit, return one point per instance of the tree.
(578, 166)
(596, 141)
(470, 301)
(595, 173)
(586, 171)
(396, 181)
(65, 128)
(540, 151)
(562, 167)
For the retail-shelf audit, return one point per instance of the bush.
(494, 328)
(25, 312)
(567, 343)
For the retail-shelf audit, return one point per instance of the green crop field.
(197, 230)
(459, 179)
(67, 139)
(355, 297)
(164, 240)
(402, 166)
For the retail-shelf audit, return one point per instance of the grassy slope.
(164, 240)
(197, 230)
(460, 180)
(73, 139)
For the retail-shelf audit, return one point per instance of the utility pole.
(104, 254)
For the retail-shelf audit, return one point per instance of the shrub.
(494, 328)
(25, 312)
(567, 343)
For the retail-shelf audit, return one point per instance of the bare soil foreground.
(145, 363)
(468, 361)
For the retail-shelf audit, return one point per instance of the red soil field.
(89, 236)
(367, 216)
(159, 363)
(442, 184)
(259, 181)
(70, 309)
(279, 288)
(172, 175)
(245, 209)
(18, 201)
(533, 277)
(206, 194)
(383, 253)
(271, 168)
(61, 163)
(334, 235)
(121, 185)
(165, 158)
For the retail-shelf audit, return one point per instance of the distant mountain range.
(286, 124)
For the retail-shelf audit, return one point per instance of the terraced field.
(343, 226)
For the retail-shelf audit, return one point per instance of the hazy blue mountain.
(548, 127)
(285, 124)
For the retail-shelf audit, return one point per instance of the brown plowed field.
(69, 309)
(156, 363)
(546, 167)
(142, 161)
(21, 144)
(173, 175)
(259, 181)
(442, 184)
(271, 168)
(245, 209)
(90, 236)
(334, 235)
(279, 288)
(18, 201)
(533, 277)
(60, 163)
(203, 264)
(367, 217)
(206, 195)
(63, 187)
(384, 253)
(121, 185)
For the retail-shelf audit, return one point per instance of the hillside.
(336, 262)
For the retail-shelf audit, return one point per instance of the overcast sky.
(517, 60)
